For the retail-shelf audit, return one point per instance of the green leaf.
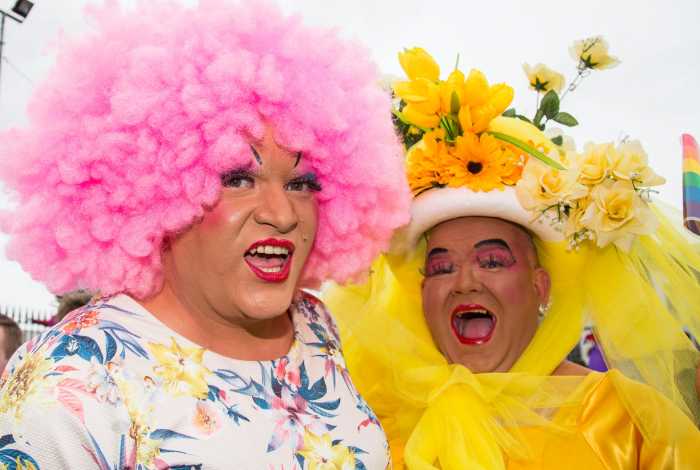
(538, 117)
(558, 140)
(523, 118)
(527, 148)
(566, 119)
(454, 103)
(510, 112)
(550, 104)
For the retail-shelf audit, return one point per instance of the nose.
(468, 281)
(276, 209)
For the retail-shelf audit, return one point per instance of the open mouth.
(270, 259)
(473, 324)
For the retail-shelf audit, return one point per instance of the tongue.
(475, 328)
(265, 261)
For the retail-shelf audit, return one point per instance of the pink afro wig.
(130, 133)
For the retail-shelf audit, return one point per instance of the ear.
(542, 284)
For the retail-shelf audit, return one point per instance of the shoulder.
(316, 315)
(571, 368)
(656, 417)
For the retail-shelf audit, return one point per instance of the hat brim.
(438, 205)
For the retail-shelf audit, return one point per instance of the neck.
(226, 333)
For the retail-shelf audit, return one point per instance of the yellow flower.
(453, 85)
(482, 103)
(422, 98)
(594, 163)
(147, 449)
(181, 369)
(425, 162)
(542, 187)
(417, 63)
(630, 163)
(592, 53)
(616, 214)
(543, 79)
(24, 383)
(476, 88)
(477, 163)
(320, 453)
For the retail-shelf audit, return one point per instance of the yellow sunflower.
(425, 160)
(477, 163)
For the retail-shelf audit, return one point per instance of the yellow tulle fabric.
(440, 415)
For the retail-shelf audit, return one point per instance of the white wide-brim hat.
(438, 205)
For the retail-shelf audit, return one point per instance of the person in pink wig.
(197, 167)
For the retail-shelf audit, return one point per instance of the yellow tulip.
(422, 98)
(453, 85)
(414, 116)
(465, 119)
(423, 94)
(476, 88)
(592, 53)
(543, 79)
(498, 98)
(417, 63)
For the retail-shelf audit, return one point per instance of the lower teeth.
(270, 270)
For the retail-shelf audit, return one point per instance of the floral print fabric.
(111, 387)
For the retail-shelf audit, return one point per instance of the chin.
(476, 362)
(267, 305)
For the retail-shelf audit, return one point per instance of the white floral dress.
(111, 387)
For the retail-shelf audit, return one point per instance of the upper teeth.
(483, 312)
(269, 250)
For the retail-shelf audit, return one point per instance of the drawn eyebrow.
(256, 155)
(297, 160)
(436, 251)
(493, 241)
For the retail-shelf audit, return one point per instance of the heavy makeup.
(231, 278)
(481, 291)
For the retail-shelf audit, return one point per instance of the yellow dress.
(606, 436)
(441, 416)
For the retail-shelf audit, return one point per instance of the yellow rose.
(630, 163)
(543, 79)
(594, 163)
(616, 214)
(592, 53)
(542, 186)
(567, 145)
(417, 63)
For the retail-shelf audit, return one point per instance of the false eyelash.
(227, 177)
(310, 179)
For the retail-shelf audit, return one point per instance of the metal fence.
(24, 316)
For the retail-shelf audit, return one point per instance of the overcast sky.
(653, 95)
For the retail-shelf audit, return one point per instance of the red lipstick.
(472, 324)
(274, 266)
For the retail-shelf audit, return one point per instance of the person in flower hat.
(460, 336)
(193, 166)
